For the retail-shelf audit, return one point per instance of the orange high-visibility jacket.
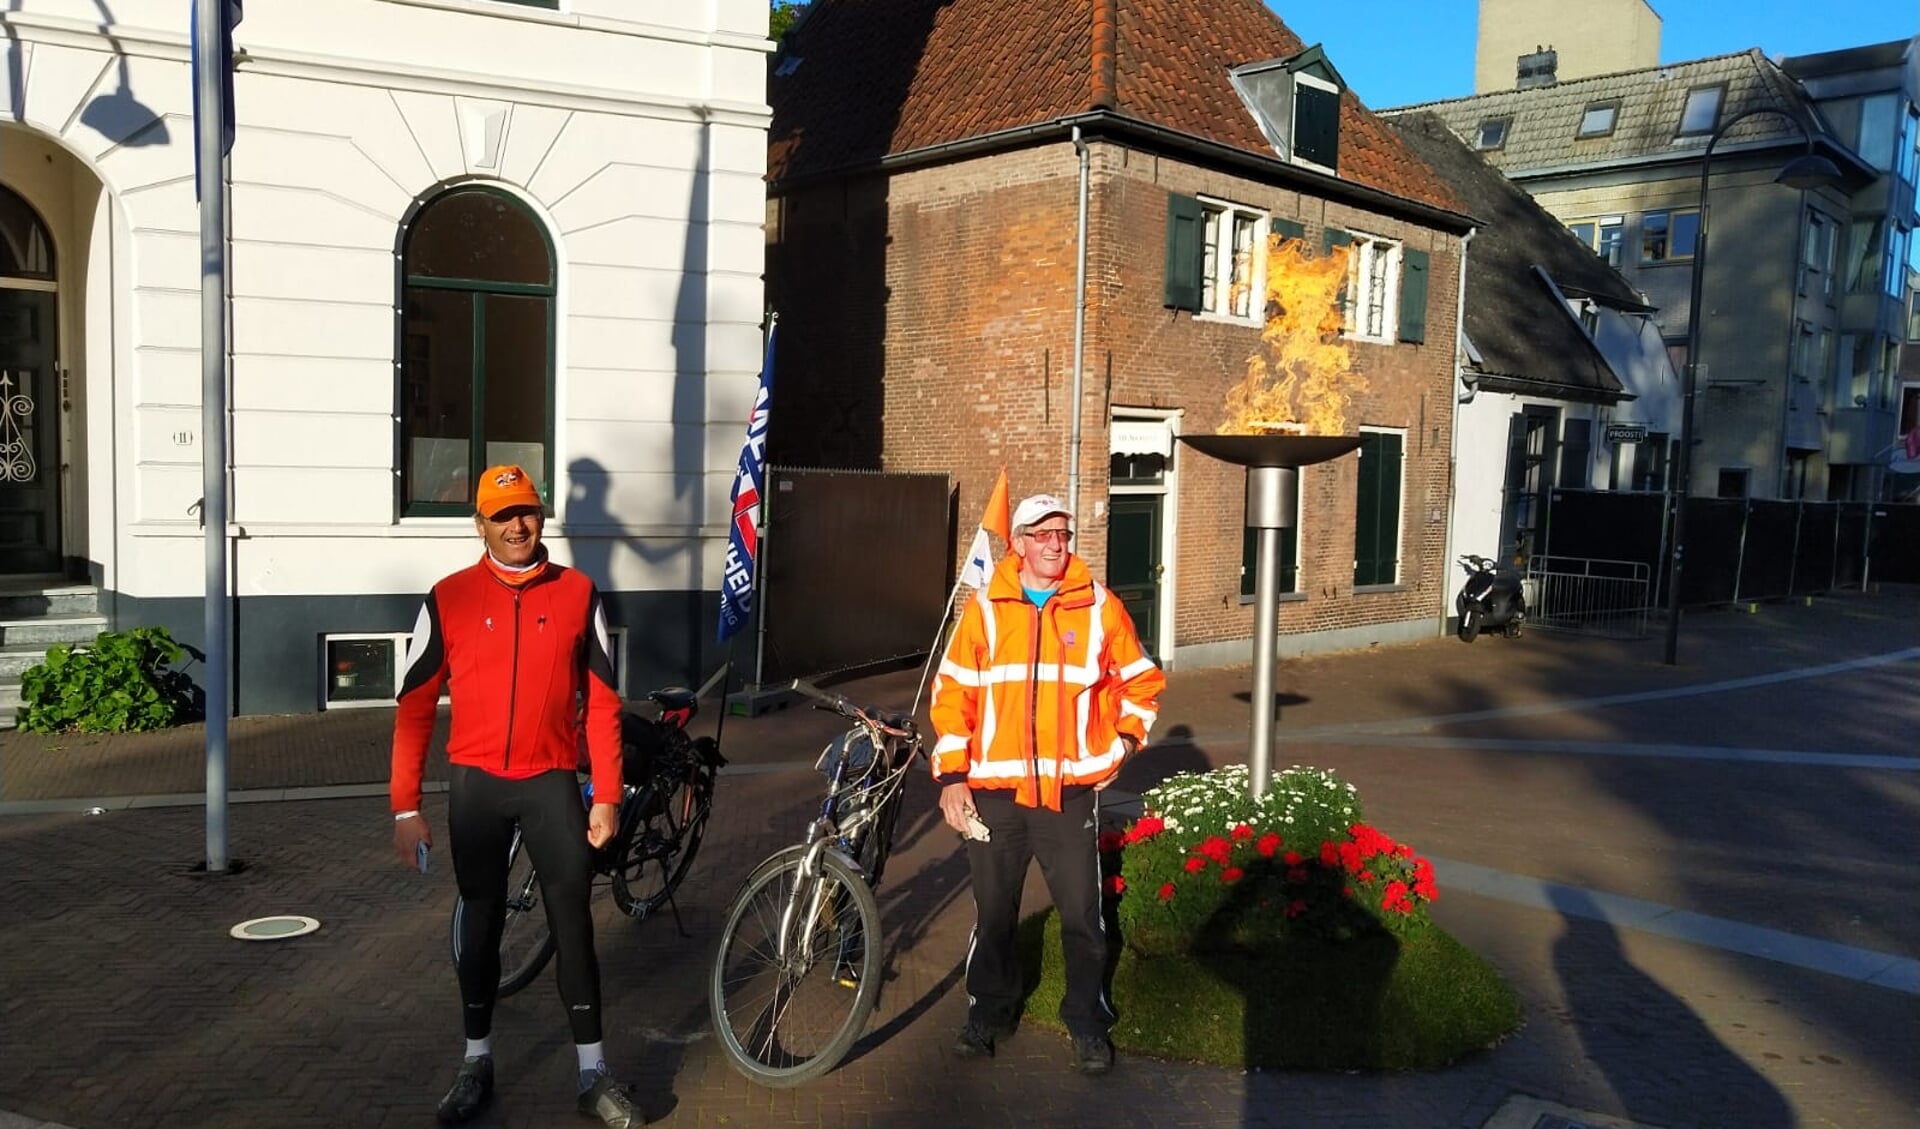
(1037, 699)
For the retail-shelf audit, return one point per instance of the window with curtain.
(476, 362)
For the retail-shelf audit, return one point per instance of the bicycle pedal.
(847, 978)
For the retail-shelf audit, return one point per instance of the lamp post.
(1808, 170)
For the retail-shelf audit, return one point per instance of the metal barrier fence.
(1594, 597)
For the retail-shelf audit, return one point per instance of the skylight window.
(1702, 112)
(1493, 134)
(1599, 118)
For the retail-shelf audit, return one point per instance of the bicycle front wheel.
(798, 971)
(526, 942)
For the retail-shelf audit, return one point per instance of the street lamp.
(1807, 171)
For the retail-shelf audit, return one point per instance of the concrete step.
(20, 600)
(15, 660)
(46, 630)
(9, 704)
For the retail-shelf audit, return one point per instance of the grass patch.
(1376, 1002)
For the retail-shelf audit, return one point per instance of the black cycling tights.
(482, 811)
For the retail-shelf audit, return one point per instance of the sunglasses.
(1050, 536)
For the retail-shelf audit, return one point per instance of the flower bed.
(1207, 866)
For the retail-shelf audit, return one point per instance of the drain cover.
(276, 928)
(1522, 1112)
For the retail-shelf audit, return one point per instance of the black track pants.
(482, 811)
(1067, 844)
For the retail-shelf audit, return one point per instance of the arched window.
(476, 367)
(25, 249)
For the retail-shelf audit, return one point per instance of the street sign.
(1626, 433)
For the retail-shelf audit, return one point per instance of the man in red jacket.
(518, 641)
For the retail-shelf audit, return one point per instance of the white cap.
(1034, 510)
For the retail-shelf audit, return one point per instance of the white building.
(462, 232)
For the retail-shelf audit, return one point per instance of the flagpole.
(760, 538)
(209, 141)
(939, 638)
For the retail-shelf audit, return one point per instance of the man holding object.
(518, 641)
(1044, 691)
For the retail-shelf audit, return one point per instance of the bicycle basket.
(853, 748)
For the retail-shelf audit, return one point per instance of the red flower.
(1394, 895)
(1145, 828)
(1291, 858)
(1296, 907)
(1268, 844)
(1116, 885)
(1110, 841)
(1196, 864)
(1231, 875)
(1166, 892)
(1297, 874)
(1368, 877)
(1241, 831)
(1329, 854)
(1217, 849)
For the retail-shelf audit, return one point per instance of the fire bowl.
(1272, 450)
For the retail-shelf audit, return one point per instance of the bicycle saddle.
(674, 698)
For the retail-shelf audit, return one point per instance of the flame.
(1301, 377)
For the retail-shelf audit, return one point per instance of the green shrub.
(1210, 869)
(119, 683)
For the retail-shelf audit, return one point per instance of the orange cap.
(502, 488)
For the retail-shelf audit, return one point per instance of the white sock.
(480, 1048)
(593, 1057)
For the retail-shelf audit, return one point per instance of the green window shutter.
(1316, 125)
(1289, 556)
(1387, 566)
(1184, 230)
(1289, 229)
(1413, 296)
(1335, 238)
(1376, 535)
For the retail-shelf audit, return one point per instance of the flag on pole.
(230, 15)
(979, 564)
(749, 485)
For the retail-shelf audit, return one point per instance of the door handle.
(1159, 571)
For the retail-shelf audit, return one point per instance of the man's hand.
(956, 800)
(1130, 747)
(408, 834)
(602, 822)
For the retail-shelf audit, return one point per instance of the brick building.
(933, 166)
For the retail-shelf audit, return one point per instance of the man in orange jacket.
(1044, 691)
(518, 641)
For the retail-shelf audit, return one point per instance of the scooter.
(1492, 598)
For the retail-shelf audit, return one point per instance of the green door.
(29, 434)
(1133, 561)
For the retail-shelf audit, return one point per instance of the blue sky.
(1395, 52)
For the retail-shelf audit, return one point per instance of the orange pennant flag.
(998, 516)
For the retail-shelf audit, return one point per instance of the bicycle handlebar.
(838, 704)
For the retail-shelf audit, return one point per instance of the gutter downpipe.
(1453, 430)
(1079, 330)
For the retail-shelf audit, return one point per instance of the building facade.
(462, 232)
(1587, 37)
(926, 252)
(1803, 300)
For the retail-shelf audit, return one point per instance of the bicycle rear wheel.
(662, 848)
(526, 943)
(798, 971)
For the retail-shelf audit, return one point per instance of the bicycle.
(797, 974)
(667, 796)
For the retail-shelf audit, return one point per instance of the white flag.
(979, 561)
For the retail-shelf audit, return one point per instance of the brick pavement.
(122, 1001)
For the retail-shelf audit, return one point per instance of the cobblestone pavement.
(124, 1003)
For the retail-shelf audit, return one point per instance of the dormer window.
(1296, 102)
(1702, 112)
(1493, 134)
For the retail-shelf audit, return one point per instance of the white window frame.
(1360, 280)
(1618, 223)
(1301, 78)
(1217, 284)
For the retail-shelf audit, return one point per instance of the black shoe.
(1092, 1054)
(472, 1091)
(976, 1040)
(608, 1101)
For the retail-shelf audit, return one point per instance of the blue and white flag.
(230, 15)
(749, 486)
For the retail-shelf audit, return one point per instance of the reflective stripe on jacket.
(1037, 699)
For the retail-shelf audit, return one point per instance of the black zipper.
(513, 683)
